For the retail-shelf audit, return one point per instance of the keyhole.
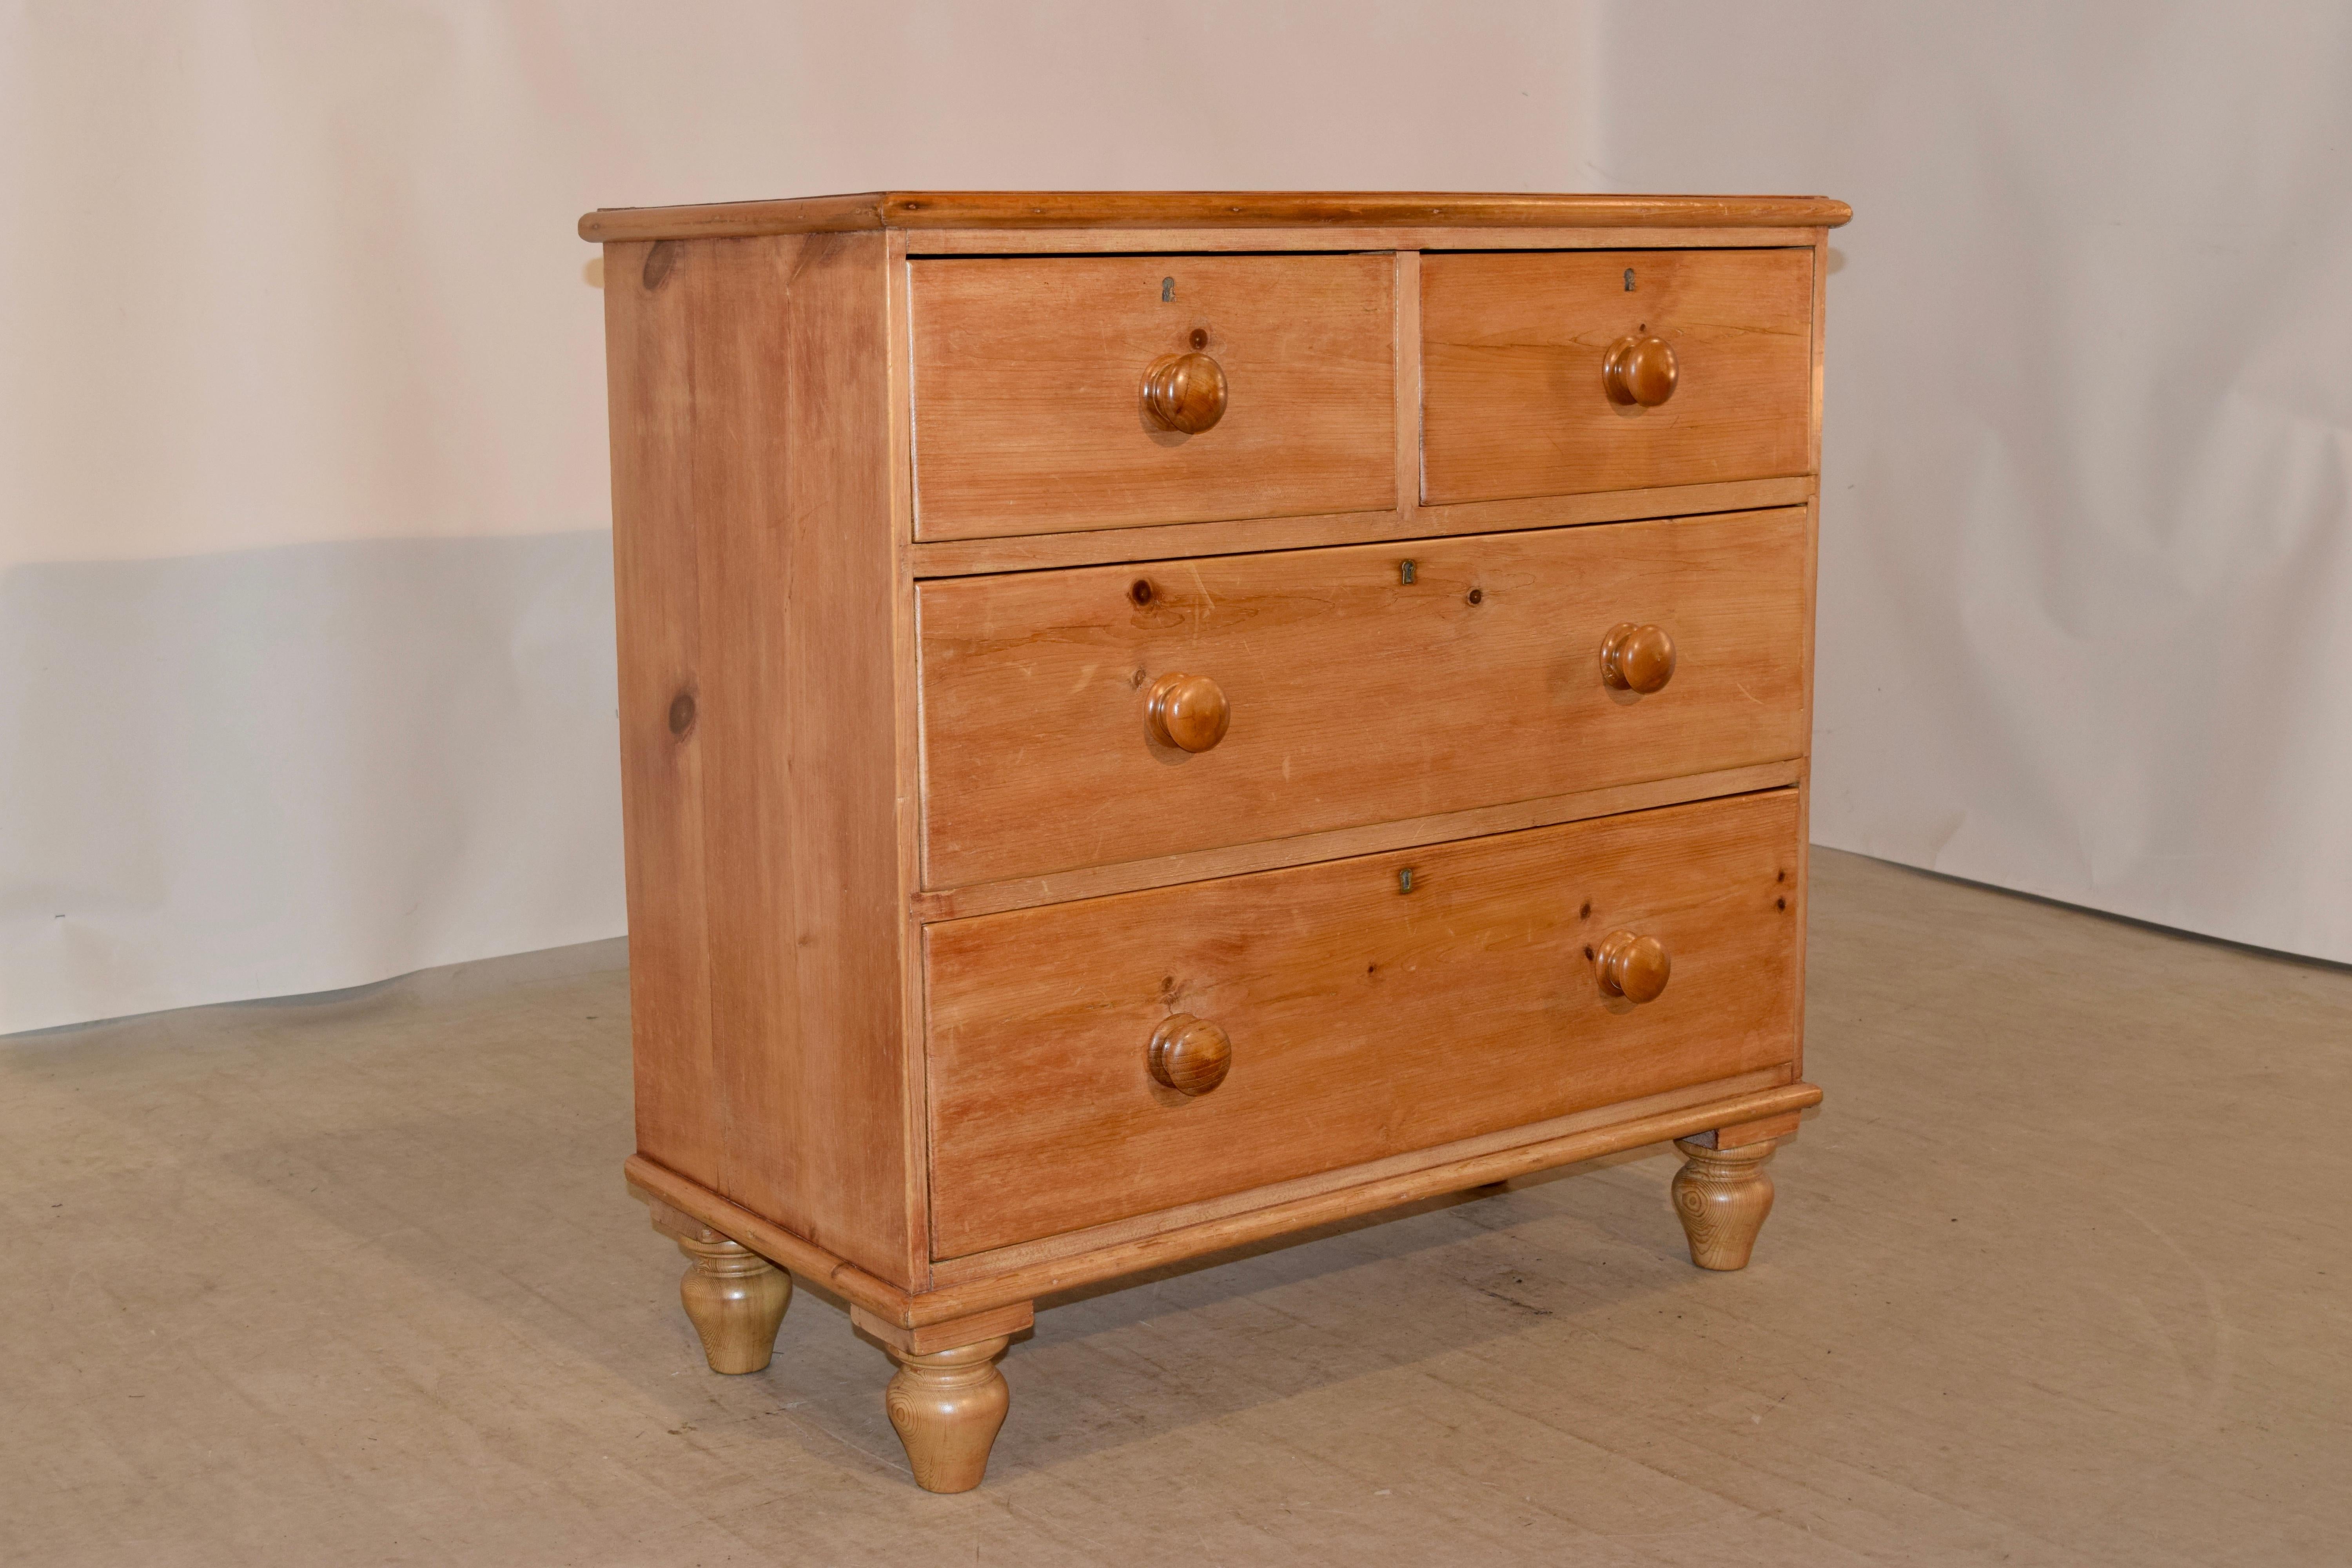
(1199, 339)
(1167, 288)
(1628, 280)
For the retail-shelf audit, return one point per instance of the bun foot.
(737, 1300)
(1722, 1195)
(948, 1407)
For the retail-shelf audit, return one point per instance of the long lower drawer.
(1368, 1012)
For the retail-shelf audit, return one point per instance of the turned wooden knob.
(1639, 371)
(1184, 392)
(1190, 1055)
(1637, 659)
(1189, 711)
(1633, 967)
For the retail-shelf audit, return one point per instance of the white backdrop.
(2086, 553)
(305, 646)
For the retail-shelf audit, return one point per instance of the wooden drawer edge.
(1195, 212)
(1190, 1241)
(1088, 242)
(1341, 843)
(946, 1272)
(974, 1296)
(1252, 536)
(648, 1182)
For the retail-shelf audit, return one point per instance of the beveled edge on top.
(1205, 210)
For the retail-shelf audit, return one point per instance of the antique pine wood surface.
(1805, 791)
(895, 880)
(931, 1337)
(1822, 267)
(1510, 345)
(1037, 759)
(1095, 1238)
(948, 1407)
(1782, 1127)
(735, 1298)
(1407, 349)
(755, 566)
(907, 807)
(648, 357)
(1185, 241)
(1094, 547)
(1026, 376)
(1629, 1128)
(1081, 210)
(1171, 1243)
(1267, 854)
(676, 1222)
(1722, 1195)
(1366, 1020)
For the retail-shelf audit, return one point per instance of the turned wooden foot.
(948, 1407)
(1722, 1197)
(737, 1300)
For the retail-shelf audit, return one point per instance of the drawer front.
(1363, 1020)
(1353, 696)
(1514, 402)
(1030, 415)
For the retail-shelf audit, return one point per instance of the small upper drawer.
(1033, 412)
(1328, 1015)
(1115, 714)
(1561, 372)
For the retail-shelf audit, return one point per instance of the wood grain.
(1266, 855)
(948, 1407)
(978, 1291)
(1038, 758)
(662, 1190)
(1029, 377)
(997, 1322)
(906, 793)
(657, 593)
(1209, 209)
(1781, 1128)
(1408, 390)
(1029, 553)
(1186, 393)
(736, 1301)
(1512, 348)
(953, 1272)
(1161, 1247)
(1723, 1197)
(1364, 1021)
(1190, 1055)
(752, 525)
(1327, 237)
(800, 920)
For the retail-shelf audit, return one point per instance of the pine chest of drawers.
(1149, 721)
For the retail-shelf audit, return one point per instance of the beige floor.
(2058, 1276)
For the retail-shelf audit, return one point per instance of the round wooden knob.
(1636, 658)
(1633, 967)
(1190, 1056)
(1639, 370)
(1189, 710)
(1184, 392)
